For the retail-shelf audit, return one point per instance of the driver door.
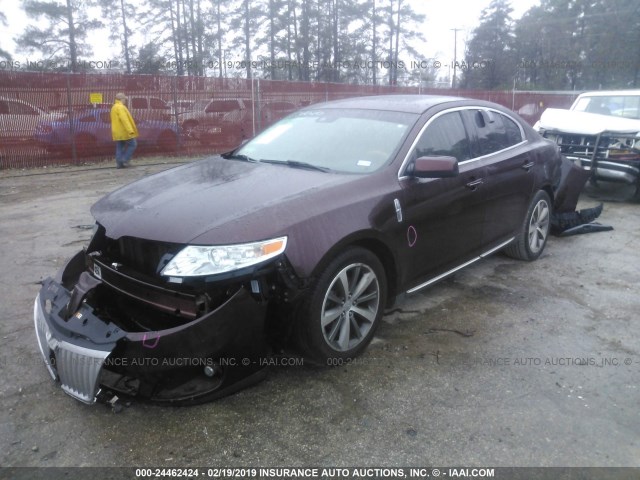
(442, 219)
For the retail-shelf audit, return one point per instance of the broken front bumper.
(209, 357)
(609, 156)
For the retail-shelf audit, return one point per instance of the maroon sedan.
(301, 237)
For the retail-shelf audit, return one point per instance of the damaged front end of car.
(607, 147)
(143, 319)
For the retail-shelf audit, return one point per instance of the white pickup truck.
(601, 133)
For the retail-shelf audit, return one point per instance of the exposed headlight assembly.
(195, 260)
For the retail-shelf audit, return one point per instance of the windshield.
(343, 140)
(627, 106)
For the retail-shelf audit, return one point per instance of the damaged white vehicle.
(601, 133)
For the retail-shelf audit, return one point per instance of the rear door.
(499, 141)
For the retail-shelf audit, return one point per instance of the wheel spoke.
(357, 331)
(544, 214)
(333, 333)
(345, 329)
(368, 297)
(365, 313)
(363, 284)
(335, 298)
(344, 283)
(330, 316)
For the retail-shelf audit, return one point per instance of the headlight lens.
(195, 260)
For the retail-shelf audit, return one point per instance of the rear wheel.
(85, 145)
(341, 313)
(189, 129)
(531, 240)
(168, 141)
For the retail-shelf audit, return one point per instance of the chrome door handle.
(474, 184)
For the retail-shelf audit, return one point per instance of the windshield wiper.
(298, 164)
(239, 156)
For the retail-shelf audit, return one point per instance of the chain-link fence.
(60, 118)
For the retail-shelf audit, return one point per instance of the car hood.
(585, 123)
(220, 201)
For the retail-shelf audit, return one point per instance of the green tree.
(579, 45)
(490, 61)
(121, 14)
(63, 37)
(150, 60)
(3, 53)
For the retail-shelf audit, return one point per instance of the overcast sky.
(442, 17)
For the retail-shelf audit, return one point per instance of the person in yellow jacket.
(123, 130)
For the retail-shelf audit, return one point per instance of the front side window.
(445, 136)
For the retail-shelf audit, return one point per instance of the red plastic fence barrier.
(63, 118)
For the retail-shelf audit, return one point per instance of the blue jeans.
(124, 150)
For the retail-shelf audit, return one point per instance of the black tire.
(350, 294)
(86, 145)
(530, 242)
(168, 142)
(189, 129)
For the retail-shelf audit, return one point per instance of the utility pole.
(455, 55)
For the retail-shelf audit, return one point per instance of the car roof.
(608, 93)
(16, 100)
(397, 103)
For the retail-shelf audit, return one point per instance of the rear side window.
(445, 136)
(494, 132)
(222, 106)
(158, 104)
(514, 134)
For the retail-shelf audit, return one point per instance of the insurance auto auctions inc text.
(371, 472)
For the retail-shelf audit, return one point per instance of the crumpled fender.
(571, 182)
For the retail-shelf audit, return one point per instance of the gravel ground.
(504, 364)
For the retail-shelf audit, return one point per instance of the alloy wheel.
(539, 226)
(350, 307)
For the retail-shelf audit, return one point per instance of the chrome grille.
(42, 332)
(79, 370)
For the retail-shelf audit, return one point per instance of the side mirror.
(436, 167)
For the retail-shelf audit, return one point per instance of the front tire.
(338, 318)
(532, 239)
